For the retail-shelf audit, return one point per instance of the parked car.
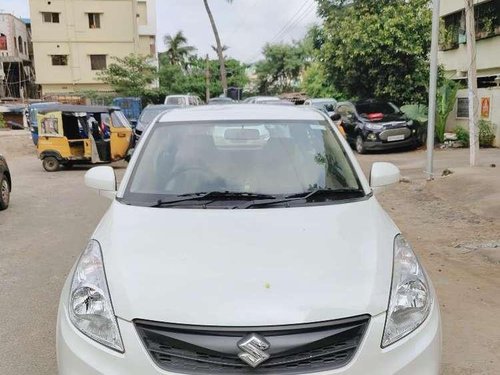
(183, 100)
(148, 115)
(377, 125)
(261, 99)
(276, 102)
(5, 184)
(220, 100)
(323, 104)
(131, 108)
(245, 239)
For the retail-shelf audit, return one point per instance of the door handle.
(121, 135)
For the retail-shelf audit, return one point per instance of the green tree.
(281, 68)
(220, 50)
(446, 97)
(178, 51)
(130, 75)
(174, 80)
(315, 84)
(377, 47)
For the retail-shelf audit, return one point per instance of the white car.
(183, 100)
(323, 104)
(262, 100)
(246, 240)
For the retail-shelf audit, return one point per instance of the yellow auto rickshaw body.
(69, 134)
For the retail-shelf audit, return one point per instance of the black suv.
(5, 184)
(377, 125)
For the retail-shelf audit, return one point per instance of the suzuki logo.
(253, 347)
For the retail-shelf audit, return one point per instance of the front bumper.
(419, 353)
(380, 145)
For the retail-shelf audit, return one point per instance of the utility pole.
(433, 89)
(207, 78)
(472, 83)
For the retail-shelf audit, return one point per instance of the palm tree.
(178, 51)
(220, 52)
(224, 49)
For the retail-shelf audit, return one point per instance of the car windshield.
(277, 158)
(385, 108)
(149, 114)
(328, 105)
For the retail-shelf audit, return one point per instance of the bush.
(486, 133)
(2, 122)
(462, 135)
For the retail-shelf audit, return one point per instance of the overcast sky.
(245, 25)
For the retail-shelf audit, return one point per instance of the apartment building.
(16, 74)
(73, 40)
(453, 58)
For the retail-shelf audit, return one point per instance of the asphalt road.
(52, 216)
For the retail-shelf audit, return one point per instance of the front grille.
(392, 132)
(293, 349)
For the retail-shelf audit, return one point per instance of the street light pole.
(433, 89)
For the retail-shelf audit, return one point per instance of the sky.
(245, 26)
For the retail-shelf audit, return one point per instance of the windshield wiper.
(213, 196)
(310, 195)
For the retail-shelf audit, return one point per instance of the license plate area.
(394, 138)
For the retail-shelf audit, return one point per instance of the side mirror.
(383, 174)
(336, 117)
(103, 180)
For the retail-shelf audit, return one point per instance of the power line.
(301, 17)
(303, 11)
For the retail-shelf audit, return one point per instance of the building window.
(59, 60)
(49, 17)
(94, 21)
(3, 42)
(98, 62)
(20, 44)
(462, 108)
(25, 48)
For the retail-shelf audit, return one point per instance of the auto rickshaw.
(75, 134)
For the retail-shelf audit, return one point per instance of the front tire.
(360, 145)
(51, 164)
(4, 193)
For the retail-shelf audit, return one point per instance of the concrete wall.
(118, 36)
(493, 93)
(452, 6)
(455, 60)
(13, 28)
(488, 58)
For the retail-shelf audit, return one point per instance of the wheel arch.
(53, 153)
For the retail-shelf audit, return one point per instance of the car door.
(120, 135)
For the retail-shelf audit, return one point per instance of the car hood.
(248, 267)
(388, 119)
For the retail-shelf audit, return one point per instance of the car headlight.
(90, 308)
(410, 301)
(372, 126)
(409, 123)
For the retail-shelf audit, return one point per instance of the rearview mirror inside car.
(383, 174)
(103, 180)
